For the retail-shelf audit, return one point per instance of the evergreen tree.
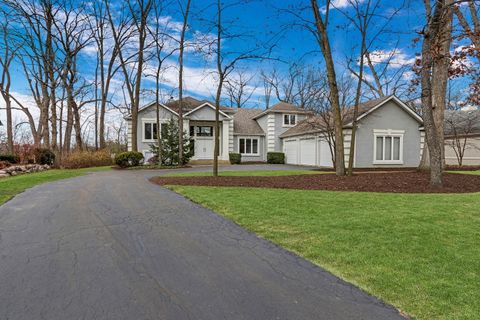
(170, 147)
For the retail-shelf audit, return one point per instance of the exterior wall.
(280, 128)
(471, 156)
(204, 114)
(262, 156)
(129, 135)
(389, 116)
(150, 114)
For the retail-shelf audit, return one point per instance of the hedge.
(235, 158)
(128, 159)
(11, 158)
(276, 157)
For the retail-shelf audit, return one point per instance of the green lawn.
(477, 172)
(11, 186)
(420, 253)
(252, 173)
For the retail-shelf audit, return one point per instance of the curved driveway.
(111, 245)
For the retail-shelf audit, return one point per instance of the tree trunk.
(332, 83)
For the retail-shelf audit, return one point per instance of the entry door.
(204, 148)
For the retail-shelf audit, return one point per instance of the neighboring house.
(389, 134)
(462, 137)
(250, 132)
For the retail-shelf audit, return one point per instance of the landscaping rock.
(21, 169)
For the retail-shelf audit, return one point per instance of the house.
(251, 132)
(389, 133)
(462, 137)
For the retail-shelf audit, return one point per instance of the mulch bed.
(399, 182)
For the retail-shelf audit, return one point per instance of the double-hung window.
(289, 119)
(388, 146)
(248, 146)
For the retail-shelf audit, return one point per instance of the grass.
(11, 186)
(476, 172)
(419, 252)
(252, 173)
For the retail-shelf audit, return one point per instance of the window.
(289, 119)
(204, 131)
(248, 146)
(149, 131)
(388, 146)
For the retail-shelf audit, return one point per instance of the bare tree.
(8, 50)
(226, 61)
(185, 13)
(239, 90)
(132, 26)
(460, 126)
(321, 24)
(435, 62)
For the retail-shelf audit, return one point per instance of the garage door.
(307, 152)
(291, 151)
(325, 155)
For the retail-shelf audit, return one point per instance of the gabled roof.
(244, 124)
(282, 107)
(317, 124)
(203, 105)
(190, 103)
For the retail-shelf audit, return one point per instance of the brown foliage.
(86, 159)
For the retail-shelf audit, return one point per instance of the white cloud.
(397, 58)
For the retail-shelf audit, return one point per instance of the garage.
(291, 151)
(324, 154)
(307, 152)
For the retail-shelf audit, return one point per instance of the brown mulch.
(399, 182)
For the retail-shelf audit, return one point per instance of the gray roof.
(283, 107)
(243, 122)
(317, 124)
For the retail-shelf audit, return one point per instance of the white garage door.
(291, 151)
(307, 152)
(325, 155)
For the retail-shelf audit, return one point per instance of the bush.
(10, 158)
(86, 159)
(44, 156)
(276, 157)
(235, 158)
(128, 159)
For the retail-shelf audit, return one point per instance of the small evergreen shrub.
(235, 158)
(276, 157)
(86, 159)
(128, 159)
(11, 158)
(168, 153)
(44, 156)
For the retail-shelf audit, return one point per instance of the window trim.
(387, 133)
(144, 121)
(290, 115)
(249, 154)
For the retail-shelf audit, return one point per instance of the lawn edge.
(296, 255)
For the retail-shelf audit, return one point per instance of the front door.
(204, 141)
(204, 148)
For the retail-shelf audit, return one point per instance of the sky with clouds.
(267, 23)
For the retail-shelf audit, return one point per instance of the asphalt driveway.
(111, 245)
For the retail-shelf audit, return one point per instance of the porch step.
(208, 162)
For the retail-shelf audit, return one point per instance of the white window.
(388, 146)
(149, 131)
(248, 146)
(289, 119)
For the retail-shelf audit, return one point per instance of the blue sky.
(264, 21)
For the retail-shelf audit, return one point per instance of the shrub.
(4, 164)
(276, 157)
(128, 159)
(10, 158)
(44, 156)
(86, 159)
(235, 158)
(26, 152)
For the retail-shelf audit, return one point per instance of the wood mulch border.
(398, 182)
